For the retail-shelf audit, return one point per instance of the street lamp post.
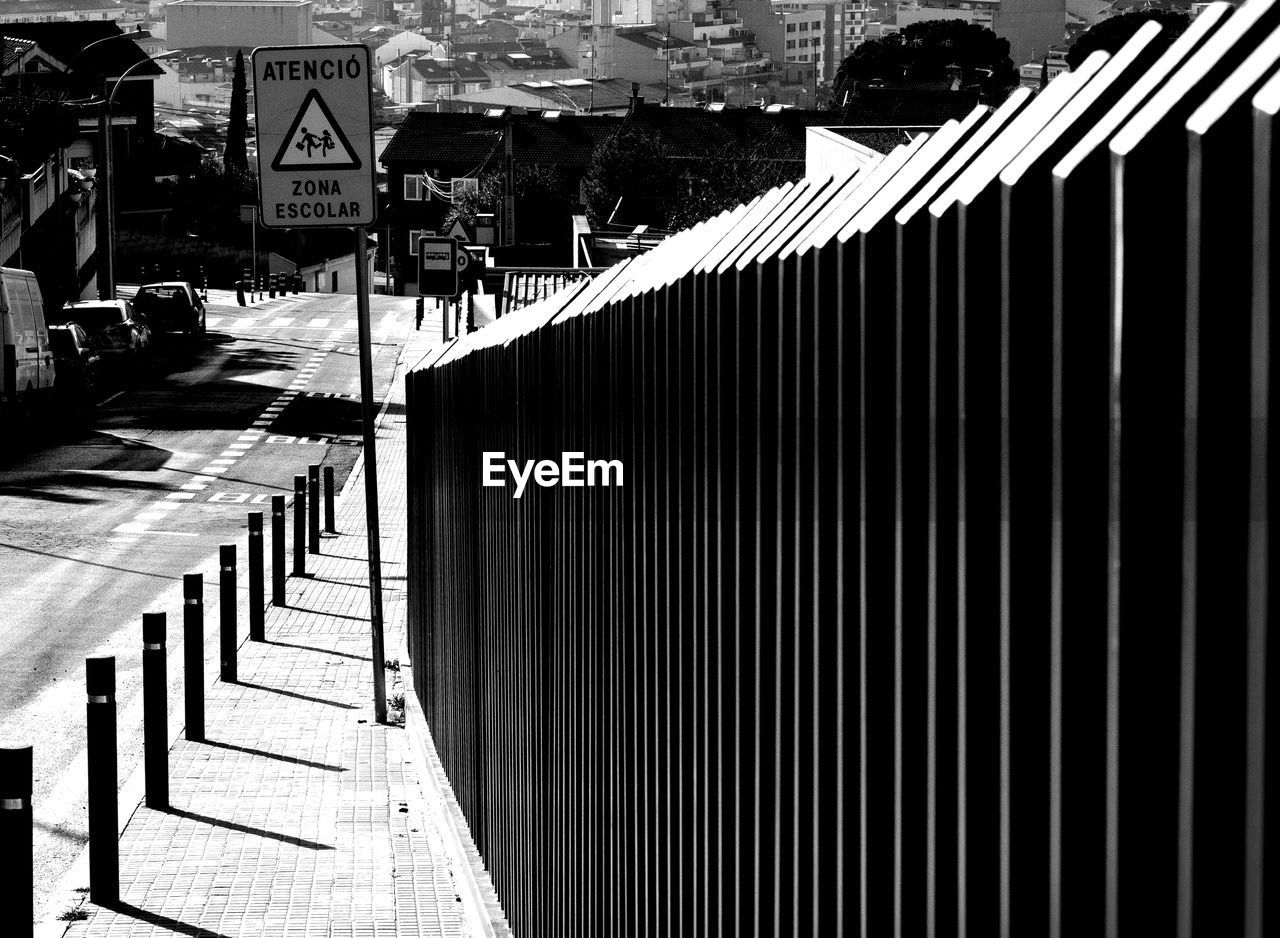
(107, 286)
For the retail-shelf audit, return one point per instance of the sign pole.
(370, 474)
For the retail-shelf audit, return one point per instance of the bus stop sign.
(441, 262)
(315, 136)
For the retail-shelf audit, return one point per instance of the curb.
(474, 878)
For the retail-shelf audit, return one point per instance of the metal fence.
(935, 599)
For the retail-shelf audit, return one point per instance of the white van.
(26, 361)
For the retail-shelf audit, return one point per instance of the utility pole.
(106, 270)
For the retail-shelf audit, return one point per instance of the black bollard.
(104, 829)
(16, 838)
(240, 293)
(330, 521)
(155, 710)
(313, 508)
(193, 653)
(296, 279)
(271, 286)
(299, 525)
(277, 550)
(257, 611)
(227, 611)
(417, 316)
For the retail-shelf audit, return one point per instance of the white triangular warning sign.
(315, 141)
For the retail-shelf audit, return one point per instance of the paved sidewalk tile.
(299, 816)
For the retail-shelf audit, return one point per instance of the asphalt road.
(101, 516)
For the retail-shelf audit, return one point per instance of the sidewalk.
(300, 815)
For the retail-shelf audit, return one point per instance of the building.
(234, 24)
(419, 79)
(1033, 27)
(62, 11)
(50, 164)
(977, 12)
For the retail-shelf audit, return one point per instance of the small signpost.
(314, 111)
(441, 262)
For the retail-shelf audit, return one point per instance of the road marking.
(319, 323)
(165, 506)
(194, 486)
(178, 496)
(214, 469)
(212, 321)
(283, 321)
(241, 446)
(222, 462)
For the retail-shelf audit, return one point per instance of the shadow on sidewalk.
(290, 693)
(323, 651)
(292, 760)
(162, 921)
(245, 829)
(331, 615)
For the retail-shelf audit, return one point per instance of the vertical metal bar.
(370, 475)
(100, 720)
(313, 508)
(193, 654)
(227, 611)
(299, 525)
(155, 710)
(277, 550)
(330, 516)
(17, 886)
(257, 601)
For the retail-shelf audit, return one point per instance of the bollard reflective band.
(153, 646)
(192, 602)
(12, 804)
(227, 569)
(102, 698)
(255, 534)
(277, 514)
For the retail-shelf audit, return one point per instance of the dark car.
(76, 362)
(118, 333)
(172, 306)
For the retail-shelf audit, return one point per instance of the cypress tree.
(235, 157)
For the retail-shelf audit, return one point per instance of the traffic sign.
(440, 261)
(459, 232)
(315, 136)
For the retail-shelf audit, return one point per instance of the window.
(414, 235)
(413, 188)
(791, 27)
(791, 43)
(804, 27)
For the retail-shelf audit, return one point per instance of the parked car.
(172, 305)
(26, 362)
(116, 330)
(77, 361)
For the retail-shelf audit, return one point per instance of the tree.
(634, 163)
(929, 53)
(1112, 33)
(235, 157)
(675, 190)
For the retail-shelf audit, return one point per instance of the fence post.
(100, 721)
(257, 602)
(299, 526)
(277, 550)
(313, 508)
(193, 653)
(330, 521)
(227, 610)
(16, 838)
(155, 710)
